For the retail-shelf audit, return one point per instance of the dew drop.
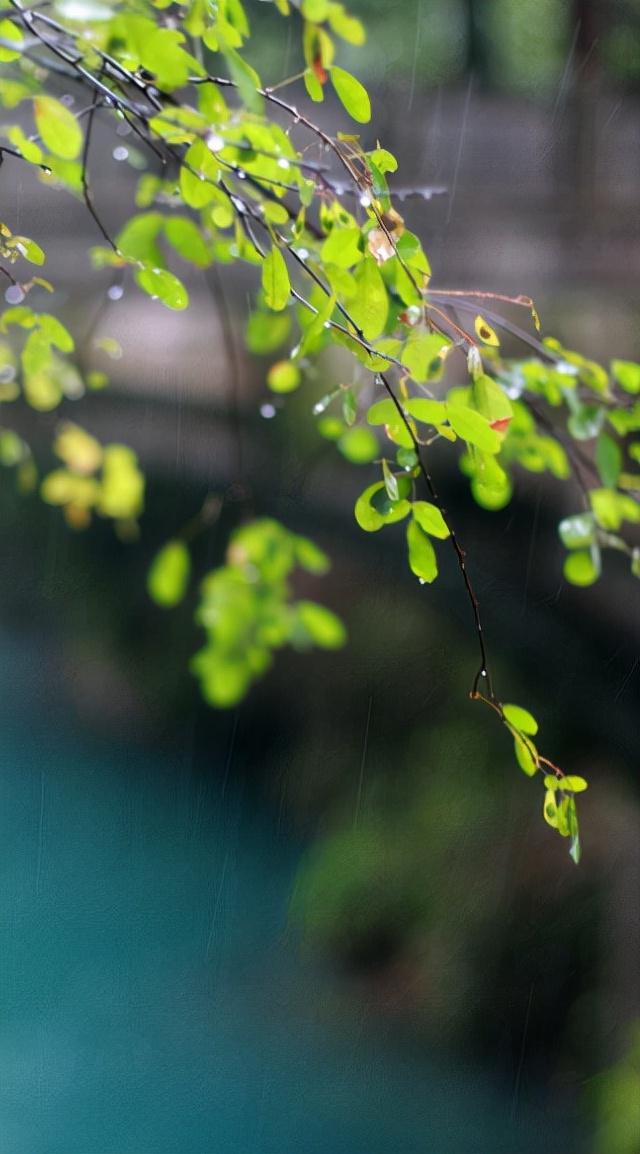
(115, 292)
(120, 153)
(267, 411)
(15, 294)
(284, 163)
(214, 142)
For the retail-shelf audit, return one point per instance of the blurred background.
(332, 919)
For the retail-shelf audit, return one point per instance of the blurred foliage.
(617, 1095)
(313, 214)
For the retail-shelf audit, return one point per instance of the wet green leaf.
(372, 518)
(352, 95)
(163, 286)
(10, 33)
(473, 428)
(370, 307)
(390, 482)
(526, 754)
(521, 719)
(57, 126)
(275, 280)
(422, 555)
(423, 356)
(430, 519)
(187, 240)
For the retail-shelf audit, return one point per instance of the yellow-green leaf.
(275, 280)
(422, 555)
(164, 286)
(58, 128)
(351, 94)
(13, 34)
(168, 576)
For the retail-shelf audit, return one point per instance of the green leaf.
(310, 557)
(322, 626)
(490, 400)
(164, 286)
(422, 555)
(370, 307)
(612, 508)
(526, 754)
(372, 517)
(168, 576)
(390, 482)
(569, 784)
(57, 127)
(430, 519)
(550, 806)
(473, 428)
(342, 247)
(608, 460)
(423, 356)
(383, 413)
(137, 240)
(313, 86)
(427, 412)
(627, 374)
(198, 175)
(28, 249)
(351, 94)
(9, 31)
(521, 719)
(265, 333)
(56, 333)
(581, 568)
(246, 78)
(187, 240)
(359, 446)
(349, 407)
(275, 280)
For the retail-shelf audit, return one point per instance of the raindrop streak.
(463, 129)
(363, 762)
(416, 50)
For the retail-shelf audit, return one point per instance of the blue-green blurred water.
(154, 1000)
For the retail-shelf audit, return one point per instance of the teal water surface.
(154, 1000)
